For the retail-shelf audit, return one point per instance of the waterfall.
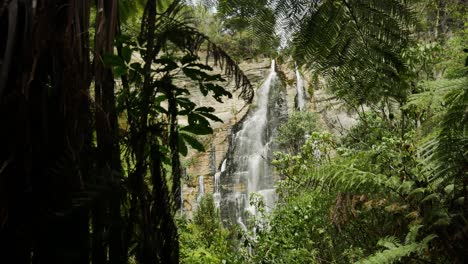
(248, 167)
(217, 185)
(301, 100)
(223, 166)
(217, 192)
(201, 188)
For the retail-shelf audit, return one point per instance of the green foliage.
(207, 218)
(292, 134)
(356, 45)
(444, 105)
(394, 189)
(336, 209)
(150, 103)
(388, 185)
(451, 141)
(129, 12)
(236, 14)
(438, 20)
(204, 240)
(294, 167)
(167, 67)
(453, 61)
(422, 59)
(434, 95)
(395, 251)
(297, 231)
(371, 129)
(231, 27)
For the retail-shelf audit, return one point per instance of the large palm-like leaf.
(165, 30)
(355, 43)
(175, 26)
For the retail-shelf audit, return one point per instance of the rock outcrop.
(216, 145)
(333, 115)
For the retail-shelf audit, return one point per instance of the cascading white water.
(301, 100)
(217, 191)
(251, 172)
(223, 166)
(217, 185)
(201, 188)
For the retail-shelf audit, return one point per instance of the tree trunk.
(109, 164)
(45, 103)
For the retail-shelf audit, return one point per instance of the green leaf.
(205, 109)
(185, 103)
(127, 54)
(212, 117)
(112, 60)
(449, 188)
(203, 89)
(201, 66)
(169, 64)
(183, 112)
(160, 99)
(417, 191)
(136, 66)
(119, 71)
(198, 129)
(196, 119)
(218, 91)
(182, 91)
(183, 150)
(431, 196)
(206, 112)
(120, 39)
(189, 58)
(193, 142)
(193, 74)
(161, 109)
(443, 221)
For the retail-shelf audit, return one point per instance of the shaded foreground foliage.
(89, 164)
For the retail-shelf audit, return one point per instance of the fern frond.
(434, 96)
(346, 177)
(412, 234)
(389, 242)
(395, 251)
(342, 38)
(447, 148)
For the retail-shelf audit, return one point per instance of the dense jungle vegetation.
(91, 143)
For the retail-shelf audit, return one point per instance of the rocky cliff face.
(233, 111)
(248, 167)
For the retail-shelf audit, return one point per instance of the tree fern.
(355, 44)
(445, 149)
(395, 251)
(351, 173)
(346, 178)
(434, 95)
